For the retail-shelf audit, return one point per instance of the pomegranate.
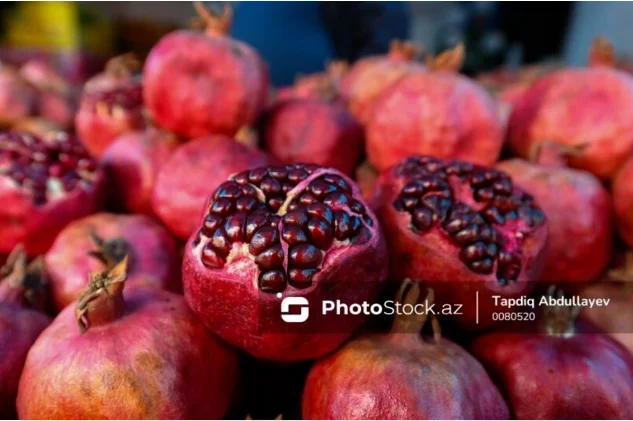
(216, 84)
(439, 113)
(193, 171)
(578, 209)
(559, 369)
(616, 319)
(462, 228)
(111, 104)
(37, 126)
(132, 163)
(44, 185)
(311, 130)
(20, 324)
(153, 254)
(301, 230)
(56, 97)
(623, 201)
(133, 354)
(401, 375)
(366, 176)
(590, 109)
(324, 86)
(17, 97)
(370, 77)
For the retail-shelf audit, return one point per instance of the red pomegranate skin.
(461, 228)
(193, 171)
(19, 328)
(216, 84)
(153, 254)
(591, 109)
(579, 211)
(17, 97)
(323, 85)
(542, 376)
(401, 375)
(237, 266)
(622, 191)
(132, 163)
(56, 99)
(371, 76)
(157, 361)
(437, 113)
(111, 104)
(39, 200)
(314, 131)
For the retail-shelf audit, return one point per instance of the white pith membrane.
(489, 224)
(46, 169)
(240, 259)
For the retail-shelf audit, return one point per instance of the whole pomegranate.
(578, 209)
(20, 324)
(616, 319)
(315, 131)
(133, 354)
(462, 228)
(559, 369)
(324, 85)
(401, 375)
(44, 185)
(299, 230)
(111, 104)
(18, 98)
(132, 163)
(194, 170)
(439, 113)
(370, 77)
(622, 190)
(216, 84)
(590, 109)
(86, 245)
(56, 99)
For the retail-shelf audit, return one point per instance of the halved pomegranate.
(299, 230)
(44, 185)
(462, 228)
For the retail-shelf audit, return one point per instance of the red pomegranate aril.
(142, 346)
(295, 246)
(42, 196)
(457, 239)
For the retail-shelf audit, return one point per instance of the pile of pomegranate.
(382, 239)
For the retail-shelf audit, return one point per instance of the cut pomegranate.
(44, 185)
(111, 104)
(301, 230)
(460, 227)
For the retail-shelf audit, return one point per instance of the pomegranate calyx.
(123, 66)
(24, 283)
(601, 53)
(404, 50)
(110, 252)
(551, 154)
(212, 22)
(559, 320)
(102, 301)
(409, 293)
(451, 60)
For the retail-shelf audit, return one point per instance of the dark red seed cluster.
(428, 196)
(126, 97)
(251, 208)
(41, 167)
